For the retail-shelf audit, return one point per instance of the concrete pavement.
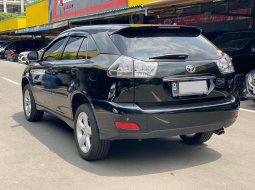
(43, 155)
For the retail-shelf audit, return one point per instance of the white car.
(22, 58)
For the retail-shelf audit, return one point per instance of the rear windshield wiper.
(171, 56)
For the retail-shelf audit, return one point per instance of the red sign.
(73, 8)
(204, 19)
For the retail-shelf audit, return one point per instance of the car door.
(43, 76)
(66, 71)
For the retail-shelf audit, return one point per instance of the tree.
(4, 16)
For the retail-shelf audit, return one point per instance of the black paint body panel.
(147, 102)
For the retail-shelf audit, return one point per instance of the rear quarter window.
(72, 48)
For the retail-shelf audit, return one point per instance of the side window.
(88, 49)
(72, 48)
(54, 51)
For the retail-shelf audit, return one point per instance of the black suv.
(240, 46)
(131, 82)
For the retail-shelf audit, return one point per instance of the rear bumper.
(158, 123)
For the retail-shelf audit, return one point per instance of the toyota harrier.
(131, 82)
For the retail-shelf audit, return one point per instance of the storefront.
(72, 13)
(211, 16)
(69, 9)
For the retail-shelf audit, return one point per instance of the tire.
(198, 138)
(86, 135)
(239, 84)
(29, 106)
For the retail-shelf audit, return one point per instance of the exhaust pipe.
(220, 131)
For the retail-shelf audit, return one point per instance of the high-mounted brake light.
(127, 125)
(126, 67)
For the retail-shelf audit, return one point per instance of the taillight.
(127, 125)
(126, 67)
(225, 65)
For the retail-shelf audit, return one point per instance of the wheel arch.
(24, 82)
(78, 99)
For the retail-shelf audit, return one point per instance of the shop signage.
(66, 9)
(205, 18)
(42, 27)
(35, 29)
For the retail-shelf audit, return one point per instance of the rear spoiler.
(196, 31)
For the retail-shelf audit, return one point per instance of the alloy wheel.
(27, 103)
(83, 132)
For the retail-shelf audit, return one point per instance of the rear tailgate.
(176, 50)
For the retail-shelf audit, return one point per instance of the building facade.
(13, 6)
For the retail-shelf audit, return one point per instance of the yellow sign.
(138, 2)
(37, 13)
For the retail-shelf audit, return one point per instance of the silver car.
(249, 90)
(22, 58)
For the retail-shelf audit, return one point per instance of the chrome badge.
(190, 68)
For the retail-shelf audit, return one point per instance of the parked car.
(240, 46)
(10, 54)
(21, 45)
(3, 49)
(2, 42)
(249, 90)
(131, 82)
(22, 58)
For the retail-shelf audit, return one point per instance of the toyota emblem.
(190, 68)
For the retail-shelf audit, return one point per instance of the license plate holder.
(189, 88)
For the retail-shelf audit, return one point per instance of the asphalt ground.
(43, 155)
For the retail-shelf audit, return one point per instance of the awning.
(174, 3)
(42, 28)
(211, 15)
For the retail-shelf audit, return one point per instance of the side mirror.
(33, 56)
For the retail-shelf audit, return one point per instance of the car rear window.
(146, 43)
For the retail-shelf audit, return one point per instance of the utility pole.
(22, 6)
(5, 6)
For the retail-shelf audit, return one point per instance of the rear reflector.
(127, 125)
